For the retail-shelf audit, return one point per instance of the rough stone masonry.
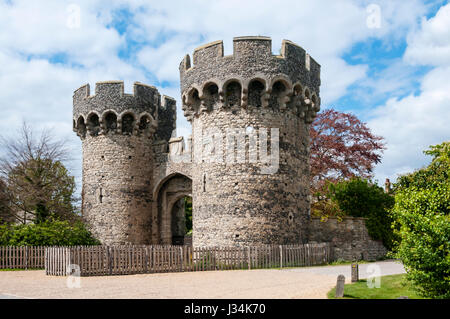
(246, 165)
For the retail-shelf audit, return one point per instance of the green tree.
(5, 214)
(46, 233)
(359, 198)
(435, 174)
(36, 183)
(42, 188)
(342, 147)
(422, 207)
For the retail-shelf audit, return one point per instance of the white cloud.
(163, 61)
(325, 30)
(35, 28)
(413, 123)
(396, 78)
(339, 77)
(431, 45)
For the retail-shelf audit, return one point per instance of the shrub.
(325, 208)
(360, 198)
(422, 207)
(48, 233)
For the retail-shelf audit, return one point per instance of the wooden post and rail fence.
(138, 259)
(25, 257)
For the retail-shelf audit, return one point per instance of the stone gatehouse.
(246, 164)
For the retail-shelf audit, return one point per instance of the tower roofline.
(215, 50)
(145, 103)
(252, 60)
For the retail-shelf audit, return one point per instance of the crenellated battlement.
(167, 118)
(260, 47)
(112, 92)
(110, 110)
(251, 77)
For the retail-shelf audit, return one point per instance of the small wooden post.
(340, 286)
(355, 272)
(249, 258)
(26, 257)
(110, 259)
(181, 258)
(281, 256)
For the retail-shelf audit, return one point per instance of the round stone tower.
(117, 132)
(250, 114)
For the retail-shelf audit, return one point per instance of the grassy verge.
(19, 269)
(345, 262)
(391, 287)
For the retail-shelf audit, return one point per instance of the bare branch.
(32, 172)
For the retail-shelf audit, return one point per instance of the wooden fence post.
(45, 262)
(109, 259)
(181, 258)
(281, 256)
(146, 259)
(26, 257)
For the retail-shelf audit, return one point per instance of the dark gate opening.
(174, 209)
(182, 221)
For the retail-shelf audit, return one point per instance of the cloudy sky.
(388, 62)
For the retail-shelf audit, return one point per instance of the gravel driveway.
(311, 282)
(365, 270)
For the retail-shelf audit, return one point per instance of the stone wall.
(235, 203)
(167, 119)
(116, 195)
(238, 199)
(349, 238)
(117, 132)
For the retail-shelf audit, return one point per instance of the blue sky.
(393, 76)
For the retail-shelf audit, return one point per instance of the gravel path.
(365, 270)
(311, 282)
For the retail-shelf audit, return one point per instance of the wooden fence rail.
(133, 259)
(22, 257)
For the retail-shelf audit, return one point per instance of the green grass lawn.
(19, 269)
(391, 287)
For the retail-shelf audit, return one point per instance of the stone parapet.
(111, 111)
(349, 237)
(250, 78)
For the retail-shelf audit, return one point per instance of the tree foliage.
(422, 211)
(42, 188)
(432, 176)
(188, 214)
(358, 197)
(5, 213)
(341, 147)
(47, 233)
(36, 183)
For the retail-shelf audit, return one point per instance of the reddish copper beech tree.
(341, 147)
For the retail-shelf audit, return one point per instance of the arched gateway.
(170, 200)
